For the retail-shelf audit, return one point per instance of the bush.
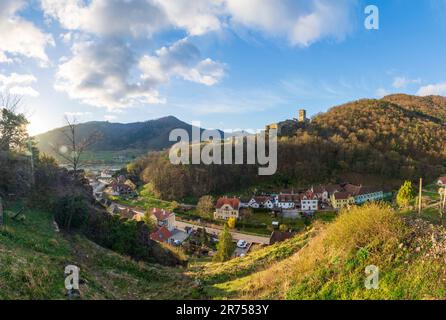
(71, 212)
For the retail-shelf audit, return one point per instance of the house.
(227, 208)
(164, 218)
(309, 202)
(262, 202)
(244, 202)
(441, 182)
(161, 235)
(368, 194)
(340, 200)
(288, 201)
(122, 186)
(253, 203)
(321, 193)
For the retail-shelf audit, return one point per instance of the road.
(235, 235)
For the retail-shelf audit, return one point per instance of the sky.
(228, 64)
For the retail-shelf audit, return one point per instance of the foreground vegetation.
(33, 257)
(330, 262)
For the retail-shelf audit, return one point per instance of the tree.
(71, 212)
(74, 147)
(232, 222)
(225, 246)
(405, 194)
(13, 133)
(283, 227)
(205, 206)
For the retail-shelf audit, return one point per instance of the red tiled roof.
(308, 196)
(233, 202)
(262, 199)
(161, 235)
(161, 214)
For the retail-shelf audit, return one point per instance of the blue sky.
(230, 64)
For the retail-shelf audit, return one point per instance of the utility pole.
(443, 205)
(420, 196)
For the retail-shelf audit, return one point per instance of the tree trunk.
(1, 212)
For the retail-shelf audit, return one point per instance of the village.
(278, 216)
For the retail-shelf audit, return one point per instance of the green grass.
(33, 258)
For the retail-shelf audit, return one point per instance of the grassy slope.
(332, 264)
(33, 257)
(217, 278)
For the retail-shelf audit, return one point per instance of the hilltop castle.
(287, 124)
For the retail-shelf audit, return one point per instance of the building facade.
(227, 208)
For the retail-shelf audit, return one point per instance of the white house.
(288, 201)
(368, 194)
(321, 192)
(253, 204)
(309, 202)
(261, 202)
(164, 218)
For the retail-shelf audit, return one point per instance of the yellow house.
(227, 208)
(340, 200)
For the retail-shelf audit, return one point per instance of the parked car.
(242, 244)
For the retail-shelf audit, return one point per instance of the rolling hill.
(391, 139)
(138, 137)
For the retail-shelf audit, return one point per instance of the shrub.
(71, 212)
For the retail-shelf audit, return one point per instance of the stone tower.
(302, 115)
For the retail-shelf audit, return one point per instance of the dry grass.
(332, 265)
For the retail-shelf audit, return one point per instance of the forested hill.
(145, 136)
(397, 137)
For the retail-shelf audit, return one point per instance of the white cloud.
(197, 17)
(99, 74)
(433, 89)
(18, 84)
(108, 17)
(20, 37)
(182, 59)
(302, 22)
(108, 74)
(403, 82)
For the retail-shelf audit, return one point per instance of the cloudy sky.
(230, 64)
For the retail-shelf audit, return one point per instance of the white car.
(242, 244)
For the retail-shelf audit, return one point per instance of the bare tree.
(74, 146)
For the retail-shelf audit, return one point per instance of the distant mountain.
(150, 135)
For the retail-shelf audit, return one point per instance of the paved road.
(235, 235)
